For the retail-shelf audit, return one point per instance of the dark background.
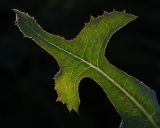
(27, 97)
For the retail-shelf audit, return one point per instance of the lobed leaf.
(84, 57)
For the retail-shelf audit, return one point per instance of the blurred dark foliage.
(27, 95)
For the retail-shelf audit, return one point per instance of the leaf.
(84, 57)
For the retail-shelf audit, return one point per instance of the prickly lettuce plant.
(84, 57)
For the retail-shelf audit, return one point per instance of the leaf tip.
(16, 12)
(69, 106)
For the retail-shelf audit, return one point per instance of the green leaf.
(84, 57)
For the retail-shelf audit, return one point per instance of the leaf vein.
(105, 75)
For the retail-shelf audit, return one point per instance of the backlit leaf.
(84, 57)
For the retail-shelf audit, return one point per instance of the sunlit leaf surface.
(84, 57)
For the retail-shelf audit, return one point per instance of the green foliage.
(84, 57)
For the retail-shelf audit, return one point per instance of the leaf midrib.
(144, 111)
